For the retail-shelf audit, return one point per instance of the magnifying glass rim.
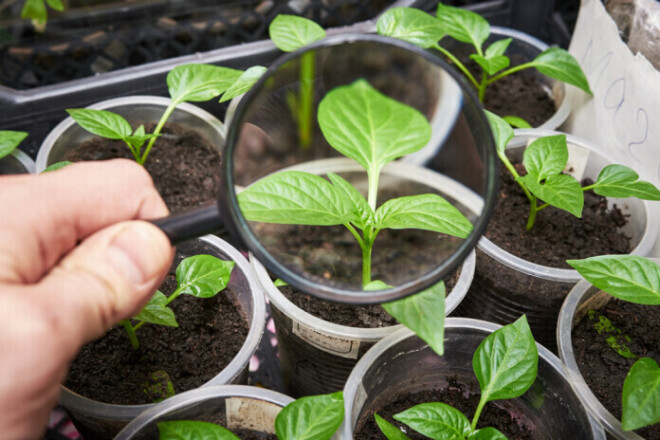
(229, 202)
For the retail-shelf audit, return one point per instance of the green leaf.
(559, 64)
(369, 127)
(506, 362)
(629, 277)
(203, 276)
(193, 430)
(157, 312)
(429, 212)
(498, 48)
(362, 215)
(56, 166)
(390, 431)
(561, 191)
(411, 25)
(436, 420)
(280, 283)
(35, 10)
(9, 140)
(138, 138)
(243, 83)
(290, 32)
(621, 181)
(199, 82)
(311, 417)
(487, 434)
(56, 4)
(101, 123)
(464, 25)
(295, 198)
(641, 395)
(491, 65)
(502, 132)
(375, 285)
(517, 122)
(546, 156)
(424, 314)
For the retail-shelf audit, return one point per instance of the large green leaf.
(491, 65)
(243, 83)
(311, 417)
(464, 25)
(506, 362)
(559, 64)
(101, 122)
(199, 82)
(621, 181)
(629, 277)
(546, 156)
(203, 276)
(641, 395)
(561, 191)
(429, 212)
(295, 198)
(438, 421)
(487, 434)
(362, 215)
(502, 132)
(157, 312)
(193, 430)
(390, 431)
(9, 140)
(424, 314)
(411, 25)
(290, 32)
(369, 127)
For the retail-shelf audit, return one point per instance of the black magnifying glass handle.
(189, 225)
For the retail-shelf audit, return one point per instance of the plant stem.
(532, 214)
(366, 264)
(307, 67)
(131, 333)
(480, 408)
(136, 154)
(458, 64)
(482, 86)
(588, 187)
(510, 71)
(159, 127)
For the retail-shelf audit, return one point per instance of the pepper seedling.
(10, 140)
(545, 159)
(372, 129)
(505, 363)
(36, 11)
(202, 276)
(637, 280)
(421, 29)
(307, 418)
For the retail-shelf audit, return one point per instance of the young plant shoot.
(545, 160)
(10, 140)
(307, 418)
(372, 129)
(36, 11)
(637, 280)
(290, 33)
(202, 276)
(505, 363)
(421, 29)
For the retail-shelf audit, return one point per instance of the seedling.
(505, 363)
(372, 129)
(290, 33)
(423, 30)
(545, 160)
(202, 276)
(637, 280)
(308, 418)
(10, 140)
(36, 11)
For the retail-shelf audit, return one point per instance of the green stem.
(588, 187)
(480, 408)
(482, 86)
(509, 166)
(355, 234)
(366, 264)
(131, 333)
(532, 214)
(307, 67)
(510, 71)
(458, 64)
(159, 127)
(136, 154)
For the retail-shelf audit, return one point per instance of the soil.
(249, 434)
(211, 332)
(184, 166)
(455, 395)
(603, 369)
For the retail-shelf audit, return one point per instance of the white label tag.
(577, 161)
(246, 413)
(347, 348)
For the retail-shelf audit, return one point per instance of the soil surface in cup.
(211, 332)
(249, 434)
(602, 367)
(515, 428)
(184, 166)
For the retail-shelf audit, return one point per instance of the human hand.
(73, 261)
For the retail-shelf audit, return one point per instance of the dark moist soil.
(211, 332)
(249, 434)
(454, 395)
(603, 369)
(184, 166)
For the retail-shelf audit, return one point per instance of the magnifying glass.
(360, 169)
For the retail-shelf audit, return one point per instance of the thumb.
(105, 279)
